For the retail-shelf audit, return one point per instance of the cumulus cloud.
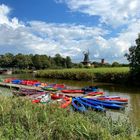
(111, 12)
(66, 39)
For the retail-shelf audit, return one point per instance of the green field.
(113, 74)
(22, 120)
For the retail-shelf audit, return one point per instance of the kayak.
(56, 96)
(58, 86)
(72, 91)
(106, 105)
(78, 105)
(110, 102)
(49, 88)
(113, 99)
(25, 91)
(67, 102)
(95, 107)
(95, 93)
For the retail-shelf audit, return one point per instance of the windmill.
(86, 58)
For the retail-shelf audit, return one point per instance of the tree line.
(30, 61)
(25, 61)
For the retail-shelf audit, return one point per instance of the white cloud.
(66, 39)
(4, 19)
(112, 12)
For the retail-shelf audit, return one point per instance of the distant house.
(5, 71)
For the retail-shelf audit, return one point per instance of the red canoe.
(114, 99)
(67, 102)
(57, 96)
(95, 93)
(72, 91)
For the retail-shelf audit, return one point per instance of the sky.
(107, 28)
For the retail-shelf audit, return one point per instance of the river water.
(132, 110)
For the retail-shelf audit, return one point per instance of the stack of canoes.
(98, 103)
(90, 97)
(25, 91)
(63, 100)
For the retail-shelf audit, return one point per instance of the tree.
(68, 62)
(134, 57)
(22, 61)
(6, 60)
(115, 64)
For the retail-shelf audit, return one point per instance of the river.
(132, 110)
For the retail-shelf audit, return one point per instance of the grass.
(20, 119)
(110, 75)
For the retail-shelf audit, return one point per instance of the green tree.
(6, 60)
(41, 61)
(134, 58)
(68, 62)
(22, 61)
(59, 61)
(115, 64)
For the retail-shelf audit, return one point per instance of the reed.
(20, 119)
(110, 75)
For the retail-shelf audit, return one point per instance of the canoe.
(56, 96)
(25, 91)
(108, 97)
(9, 80)
(67, 102)
(78, 105)
(58, 86)
(95, 93)
(72, 91)
(30, 82)
(92, 97)
(49, 89)
(95, 107)
(113, 99)
(110, 102)
(16, 81)
(106, 105)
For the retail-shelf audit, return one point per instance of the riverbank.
(117, 75)
(20, 119)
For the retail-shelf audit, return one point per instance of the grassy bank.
(20, 119)
(111, 75)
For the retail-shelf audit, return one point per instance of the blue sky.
(105, 27)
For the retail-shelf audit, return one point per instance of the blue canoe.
(106, 105)
(78, 105)
(110, 102)
(95, 107)
(16, 81)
